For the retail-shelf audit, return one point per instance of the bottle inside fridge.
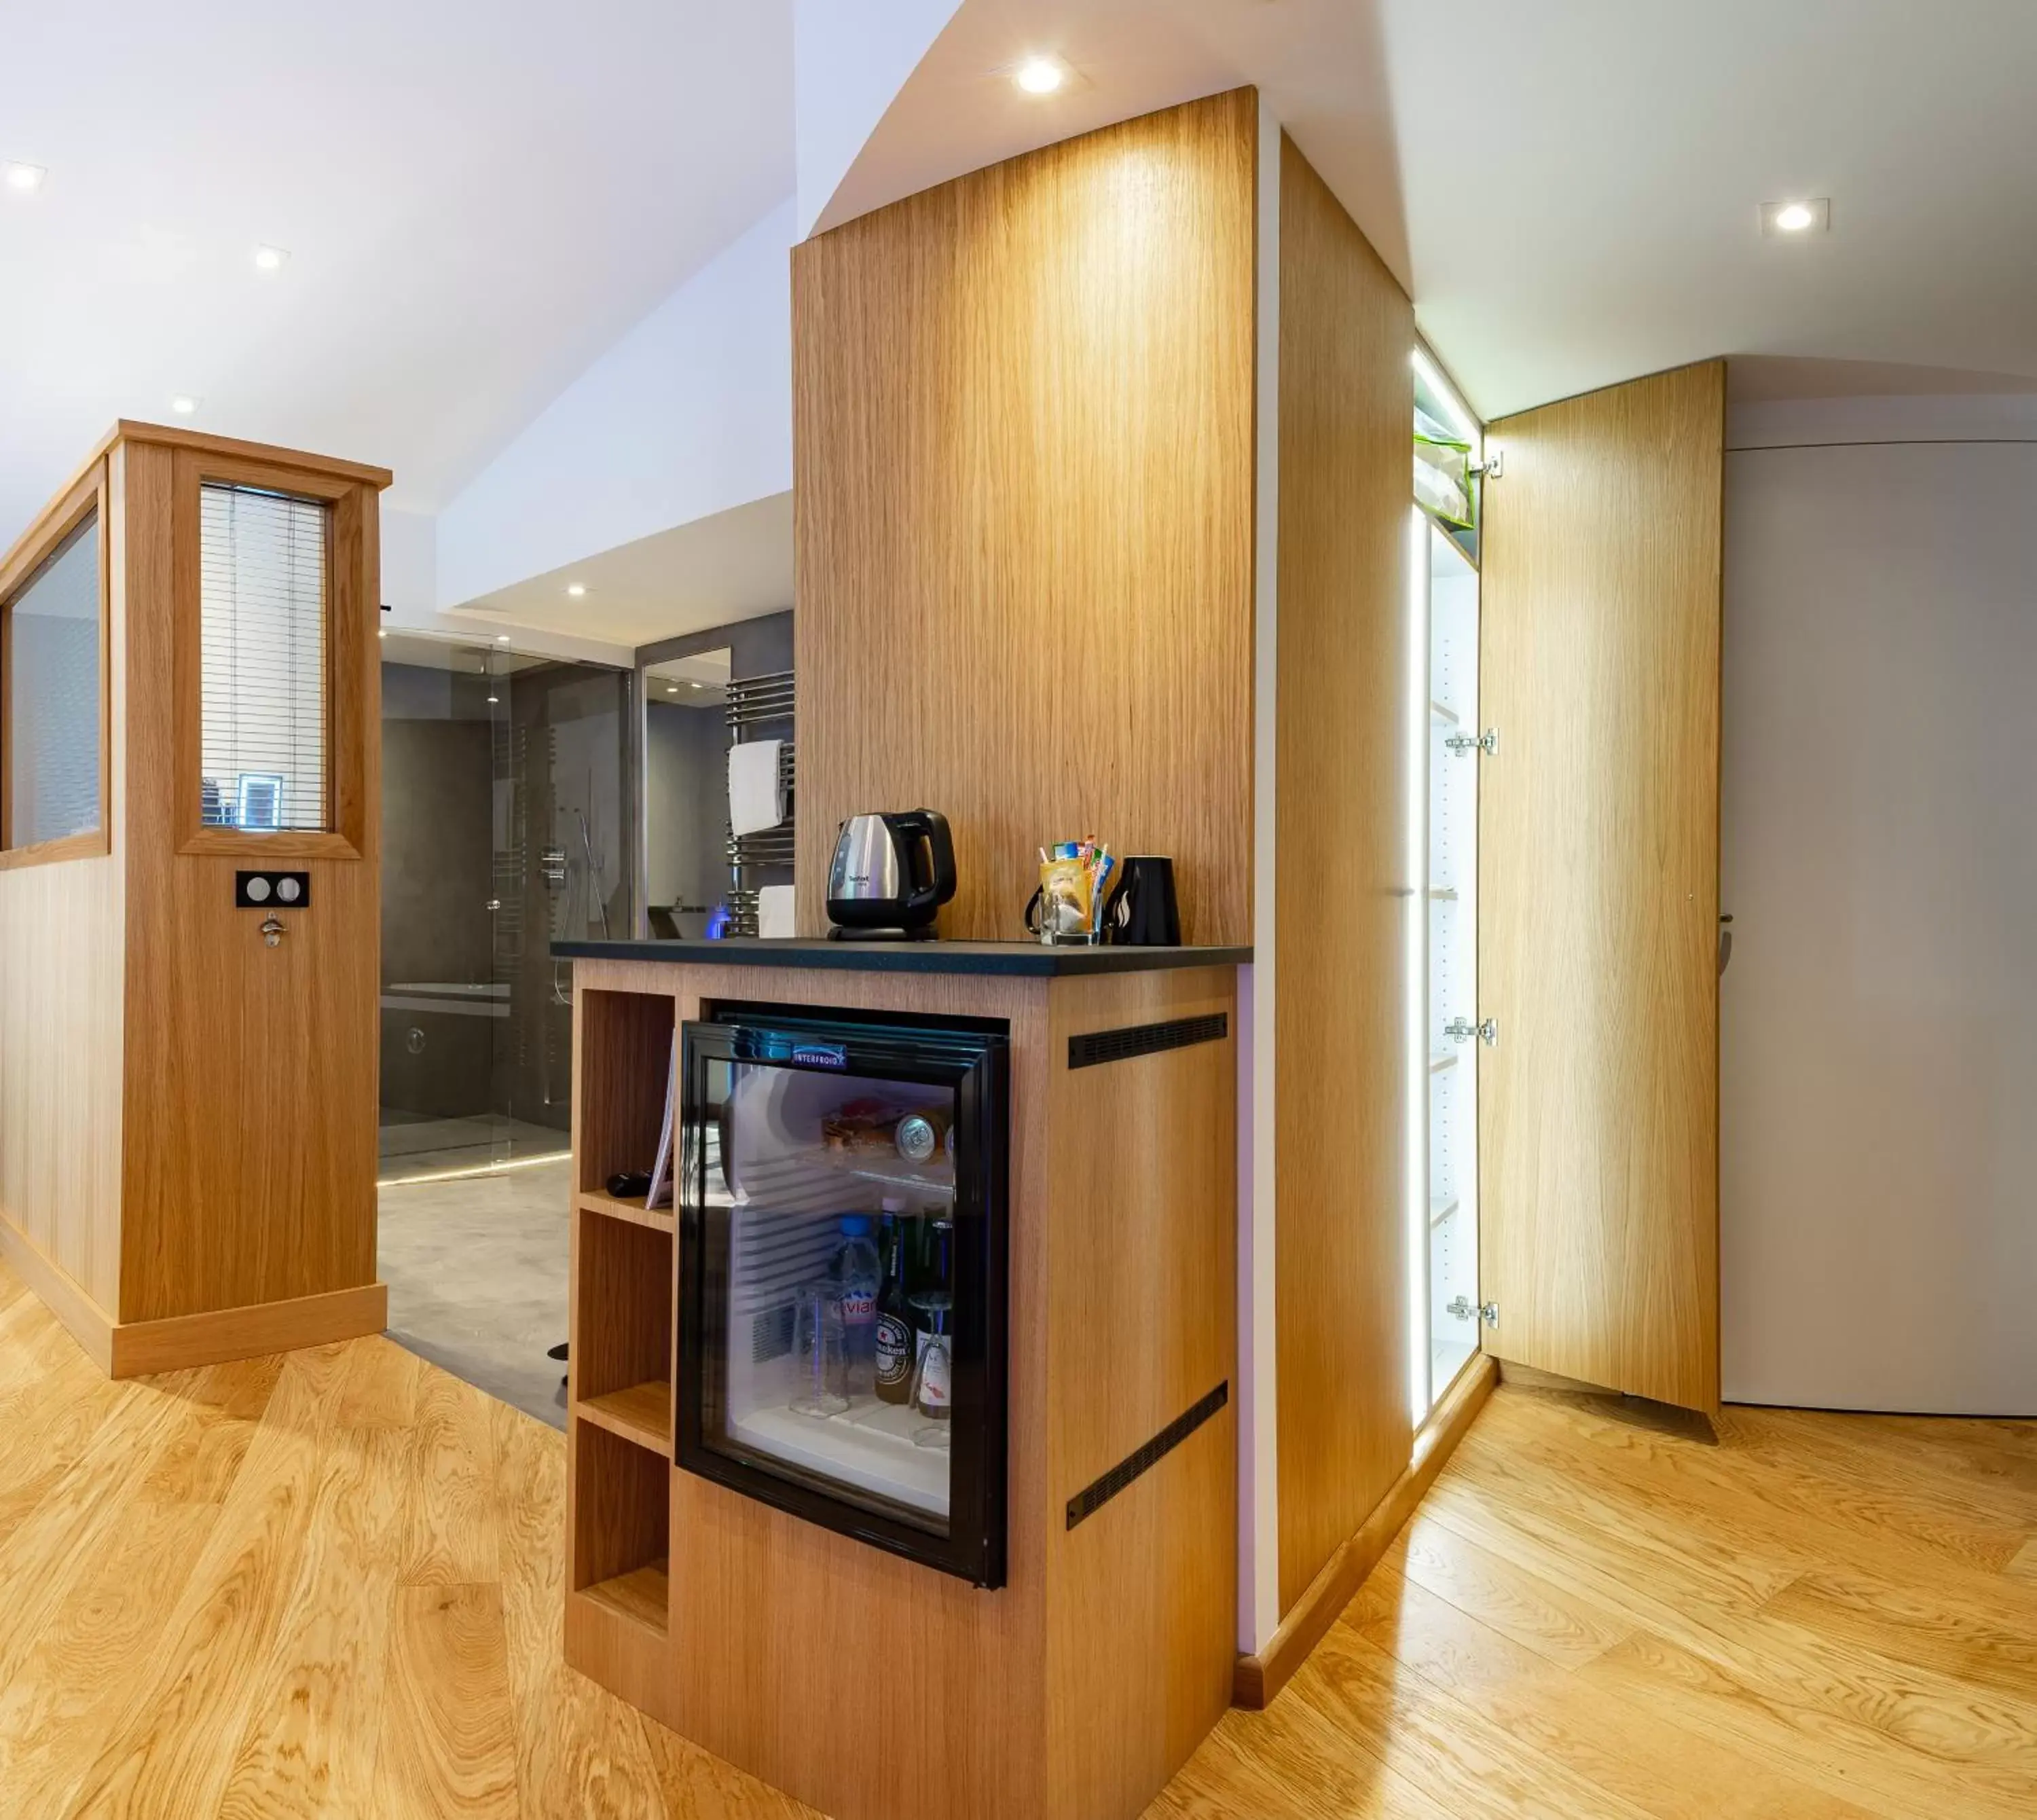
(842, 1264)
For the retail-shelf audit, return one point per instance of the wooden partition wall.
(1023, 416)
(188, 1113)
(1340, 1248)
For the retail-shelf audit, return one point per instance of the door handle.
(1725, 944)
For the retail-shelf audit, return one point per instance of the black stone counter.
(1031, 959)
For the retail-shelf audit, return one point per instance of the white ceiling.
(1569, 190)
(479, 197)
(734, 565)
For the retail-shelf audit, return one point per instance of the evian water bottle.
(857, 1271)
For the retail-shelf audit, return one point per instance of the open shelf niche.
(623, 1336)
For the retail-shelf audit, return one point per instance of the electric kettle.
(891, 874)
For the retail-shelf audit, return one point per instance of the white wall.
(850, 57)
(689, 414)
(1879, 1109)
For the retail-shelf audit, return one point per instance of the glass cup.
(820, 1348)
(933, 1382)
(1055, 913)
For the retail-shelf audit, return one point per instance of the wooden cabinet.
(872, 1686)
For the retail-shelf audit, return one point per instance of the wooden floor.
(331, 1585)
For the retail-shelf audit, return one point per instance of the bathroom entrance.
(505, 827)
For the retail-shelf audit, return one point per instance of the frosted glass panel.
(52, 696)
(262, 564)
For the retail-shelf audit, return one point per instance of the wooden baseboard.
(1258, 1679)
(62, 1294)
(141, 1347)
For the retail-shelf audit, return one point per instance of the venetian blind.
(262, 659)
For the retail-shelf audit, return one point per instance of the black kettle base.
(838, 933)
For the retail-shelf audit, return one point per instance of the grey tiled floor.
(477, 1270)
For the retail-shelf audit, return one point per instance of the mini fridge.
(841, 1265)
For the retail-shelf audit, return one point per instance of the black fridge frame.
(972, 1057)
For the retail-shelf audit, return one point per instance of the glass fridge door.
(841, 1264)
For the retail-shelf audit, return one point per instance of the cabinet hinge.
(1489, 1313)
(1463, 1030)
(1487, 742)
(1493, 468)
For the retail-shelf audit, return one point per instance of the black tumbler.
(1142, 912)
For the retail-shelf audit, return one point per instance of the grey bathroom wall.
(558, 776)
(436, 885)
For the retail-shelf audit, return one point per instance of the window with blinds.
(262, 652)
(51, 698)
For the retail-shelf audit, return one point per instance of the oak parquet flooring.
(330, 1586)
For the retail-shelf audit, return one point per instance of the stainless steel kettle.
(890, 876)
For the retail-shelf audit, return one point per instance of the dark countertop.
(1031, 959)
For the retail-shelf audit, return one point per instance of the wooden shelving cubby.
(622, 1526)
(625, 1063)
(622, 1335)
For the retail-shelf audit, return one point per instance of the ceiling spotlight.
(502, 638)
(26, 178)
(492, 700)
(1041, 75)
(271, 258)
(671, 688)
(693, 685)
(1811, 215)
(184, 404)
(575, 589)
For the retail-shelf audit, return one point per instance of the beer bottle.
(897, 1351)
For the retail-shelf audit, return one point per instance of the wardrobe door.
(1598, 1094)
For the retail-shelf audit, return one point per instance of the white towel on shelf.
(774, 912)
(756, 794)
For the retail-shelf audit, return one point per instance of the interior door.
(1599, 668)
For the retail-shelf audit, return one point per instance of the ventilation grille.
(1092, 1498)
(1098, 1046)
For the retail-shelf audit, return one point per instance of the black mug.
(1142, 912)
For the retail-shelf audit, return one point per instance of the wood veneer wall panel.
(1142, 1610)
(61, 1008)
(248, 1161)
(1598, 888)
(1341, 1245)
(1022, 472)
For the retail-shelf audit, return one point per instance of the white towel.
(774, 912)
(756, 798)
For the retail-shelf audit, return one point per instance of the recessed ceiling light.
(1041, 75)
(184, 404)
(492, 700)
(1810, 214)
(693, 685)
(502, 638)
(25, 178)
(271, 258)
(575, 589)
(671, 688)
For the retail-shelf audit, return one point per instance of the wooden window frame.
(347, 614)
(88, 494)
